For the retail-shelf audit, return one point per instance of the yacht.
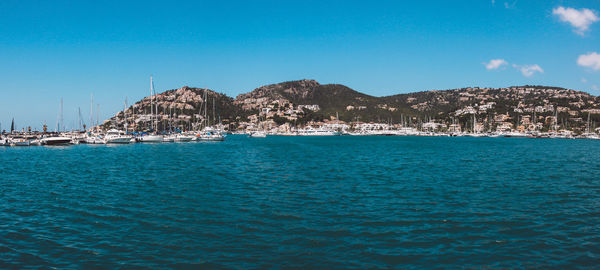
(257, 134)
(151, 138)
(169, 138)
(515, 134)
(114, 136)
(310, 131)
(37, 142)
(210, 135)
(19, 141)
(56, 140)
(92, 138)
(183, 138)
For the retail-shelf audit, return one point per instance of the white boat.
(257, 134)
(515, 134)
(169, 138)
(183, 138)
(210, 137)
(310, 131)
(93, 139)
(210, 134)
(19, 141)
(56, 140)
(152, 138)
(36, 142)
(476, 135)
(114, 136)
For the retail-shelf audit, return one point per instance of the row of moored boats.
(112, 136)
(414, 132)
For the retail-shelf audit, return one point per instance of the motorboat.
(56, 140)
(151, 138)
(257, 134)
(94, 139)
(310, 131)
(183, 138)
(210, 136)
(114, 136)
(19, 141)
(169, 138)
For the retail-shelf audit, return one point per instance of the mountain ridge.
(307, 101)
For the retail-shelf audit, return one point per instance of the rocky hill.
(304, 101)
(183, 108)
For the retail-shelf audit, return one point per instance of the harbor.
(300, 135)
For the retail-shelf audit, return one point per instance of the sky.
(72, 49)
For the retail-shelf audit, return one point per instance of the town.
(307, 108)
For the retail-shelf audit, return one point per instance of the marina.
(300, 135)
(211, 134)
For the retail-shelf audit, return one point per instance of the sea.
(282, 202)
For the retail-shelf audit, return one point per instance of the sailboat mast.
(92, 111)
(205, 106)
(79, 118)
(62, 123)
(97, 114)
(214, 117)
(556, 121)
(588, 123)
(151, 103)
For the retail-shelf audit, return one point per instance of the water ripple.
(299, 202)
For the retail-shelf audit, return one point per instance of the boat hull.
(211, 138)
(120, 140)
(151, 139)
(57, 141)
(184, 139)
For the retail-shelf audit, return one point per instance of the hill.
(303, 101)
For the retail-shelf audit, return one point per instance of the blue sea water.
(303, 202)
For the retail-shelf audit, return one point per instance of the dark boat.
(56, 141)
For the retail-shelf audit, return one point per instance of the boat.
(515, 134)
(210, 135)
(56, 140)
(92, 138)
(257, 134)
(37, 142)
(183, 138)
(310, 131)
(19, 141)
(169, 138)
(115, 136)
(151, 138)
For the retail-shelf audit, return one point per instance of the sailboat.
(153, 137)
(209, 133)
(57, 139)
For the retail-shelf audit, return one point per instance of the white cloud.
(590, 60)
(529, 70)
(581, 19)
(495, 64)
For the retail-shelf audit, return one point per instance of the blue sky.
(70, 49)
